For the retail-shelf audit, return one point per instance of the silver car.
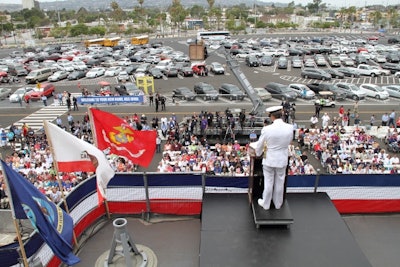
(393, 90)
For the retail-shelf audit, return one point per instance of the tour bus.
(140, 40)
(213, 35)
(111, 42)
(98, 41)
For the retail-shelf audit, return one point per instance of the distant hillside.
(10, 7)
(127, 4)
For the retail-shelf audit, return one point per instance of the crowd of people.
(184, 148)
(343, 144)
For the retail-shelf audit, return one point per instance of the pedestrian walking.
(392, 118)
(372, 120)
(44, 99)
(163, 100)
(157, 103)
(75, 102)
(68, 100)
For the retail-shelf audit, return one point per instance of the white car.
(302, 90)
(58, 76)
(19, 94)
(373, 90)
(113, 71)
(67, 66)
(124, 62)
(79, 65)
(123, 76)
(95, 72)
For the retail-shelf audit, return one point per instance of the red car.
(200, 69)
(46, 89)
(373, 38)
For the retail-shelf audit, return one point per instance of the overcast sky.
(333, 3)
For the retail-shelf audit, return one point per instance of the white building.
(29, 4)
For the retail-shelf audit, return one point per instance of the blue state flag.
(52, 223)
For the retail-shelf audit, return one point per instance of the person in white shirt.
(325, 120)
(274, 143)
(313, 121)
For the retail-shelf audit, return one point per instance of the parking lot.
(143, 60)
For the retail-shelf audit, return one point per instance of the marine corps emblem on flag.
(120, 138)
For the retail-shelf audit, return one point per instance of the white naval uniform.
(277, 138)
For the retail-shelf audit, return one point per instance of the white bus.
(213, 35)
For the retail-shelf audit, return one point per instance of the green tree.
(197, 11)
(98, 30)
(316, 6)
(79, 29)
(178, 13)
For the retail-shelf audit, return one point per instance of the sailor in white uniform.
(273, 142)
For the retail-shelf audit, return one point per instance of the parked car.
(263, 94)
(112, 71)
(393, 90)
(156, 73)
(200, 69)
(393, 67)
(353, 91)
(217, 68)
(315, 74)
(95, 72)
(375, 91)
(206, 91)
(184, 93)
(186, 71)
(19, 94)
(349, 72)
(281, 91)
(231, 91)
(302, 90)
(282, 63)
(170, 72)
(340, 94)
(252, 61)
(297, 62)
(123, 76)
(58, 76)
(393, 41)
(44, 89)
(266, 60)
(76, 75)
(392, 58)
(335, 73)
(5, 93)
(128, 89)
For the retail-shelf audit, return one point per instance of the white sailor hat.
(274, 109)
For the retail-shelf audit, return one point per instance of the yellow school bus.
(111, 42)
(98, 41)
(140, 40)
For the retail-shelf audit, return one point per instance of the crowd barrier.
(144, 194)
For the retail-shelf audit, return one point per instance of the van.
(38, 75)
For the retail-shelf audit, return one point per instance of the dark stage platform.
(318, 237)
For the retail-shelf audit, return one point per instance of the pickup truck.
(369, 70)
(340, 94)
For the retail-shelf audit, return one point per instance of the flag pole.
(55, 165)
(17, 229)
(94, 136)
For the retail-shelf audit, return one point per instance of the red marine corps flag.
(112, 132)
